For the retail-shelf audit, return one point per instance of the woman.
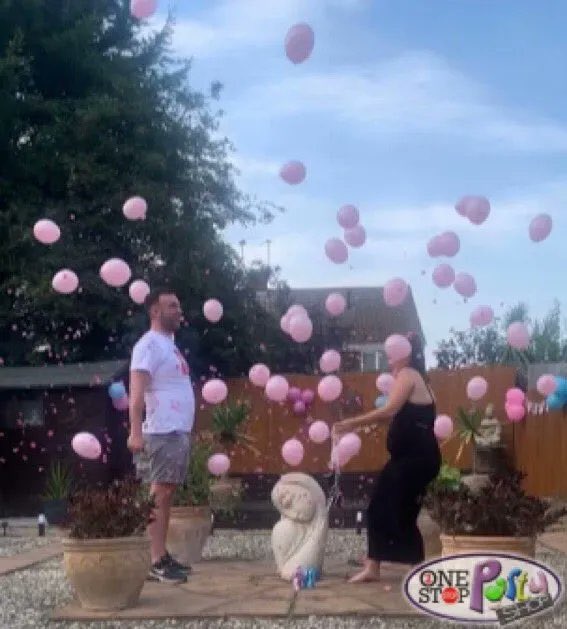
(415, 460)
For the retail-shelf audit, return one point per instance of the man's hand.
(135, 443)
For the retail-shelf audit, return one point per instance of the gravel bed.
(27, 597)
(10, 546)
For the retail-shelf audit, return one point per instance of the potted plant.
(191, 518)
(57, 490)
(107, 554)
(498, 517)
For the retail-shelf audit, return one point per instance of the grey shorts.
(164, 458)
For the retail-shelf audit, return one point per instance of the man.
(160, 383)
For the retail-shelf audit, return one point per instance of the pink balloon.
(339, 457)
(319, 432)
(540, 227)
(46, 231)
(546, 385)
(449, 244)
(121, 404)
(294, 394)
(299, 407)
(336, 251)
(213, 310)
(515, 396)
(348, 217)
(443, 275)
(293, 172)
(138, 291)
(443, 427)
(478, 210)
(481, 316)
(397, 347)
(435, 247)
(335, 304)
(384, 383)
(299, 43)
(87, 446)
(465, 284)
(356, 236)
(218, 464)
(214, 391)
(284, 323)
(307, 395)
(292, 452)
(277, 388)
(330, 361)
(476, 388)
(518, 335)
(65, 281)
(300, 328)
(259, 375)
(329, 388)
(395, 292)
(462, 206)
(142, 9)
(135, 209)
(115, 272)
(350, 445)
(515, 412)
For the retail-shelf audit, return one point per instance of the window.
(24, 409)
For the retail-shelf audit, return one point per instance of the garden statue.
(300, 536)
(490, 430)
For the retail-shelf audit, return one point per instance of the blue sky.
(405, 106)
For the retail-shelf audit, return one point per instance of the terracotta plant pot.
(107, 574)
(431, 533)
(189, 528)
(460, 544)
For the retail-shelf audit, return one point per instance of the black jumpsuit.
(415, 460)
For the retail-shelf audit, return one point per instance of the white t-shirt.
(169, 398)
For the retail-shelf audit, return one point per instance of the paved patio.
(220, 588)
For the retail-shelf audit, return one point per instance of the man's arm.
(139, 382)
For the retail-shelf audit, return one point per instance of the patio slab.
(219, 589)
(555, 541)
(29, 558)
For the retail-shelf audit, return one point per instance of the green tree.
(93, 111)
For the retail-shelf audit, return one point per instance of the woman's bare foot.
(370, 572)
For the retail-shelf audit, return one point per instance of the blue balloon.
(555, 402)
(381, 401)
(561, 390)
(117, 390)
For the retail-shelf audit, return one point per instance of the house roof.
(62, 376)
(367, 318)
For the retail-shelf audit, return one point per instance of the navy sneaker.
(175, 564)
(164, 572)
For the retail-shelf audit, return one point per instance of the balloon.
(397, 347)
(115, 272)
(213, 310)
(540, 227)
(214, 391)
(46, 231)
(355, 236)
(449, 244)
(435, 247)
(381, 401)
(330, 361)
(277, 388)
(65, 281)
(350, 444)
(443, 427)
(284, 323)
(515, 396)
(135, 209)
(348, 217)
(385, 382)
(476, 388)
(335, 304)
(465, 285)
(307, 395)
(329, 388)
(518, 335)
(339, 457)
(292, 452)
(462, 206)
(121, 404)
(395, 292)
(138, 291)
(561, 388)
(319, 432)
(293, 172)
(299, 407)
(546, 385)
(443, 275)
(514, 412)
(86, 445)
(300, 328)
(554, 402)
(336, 251)
(259, 375)
(297, 309)
(142, 9)
(218, 464)
(481, 316)
(117, 390)
(478, 210)
(294, 394)
(299, 43)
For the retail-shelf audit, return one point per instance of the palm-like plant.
(229, 425)
(469, 428)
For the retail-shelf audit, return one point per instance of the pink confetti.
(33, 445)
(2, 460)
(104, 458)
(24, 457)
(50, 433)
(40, 469)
